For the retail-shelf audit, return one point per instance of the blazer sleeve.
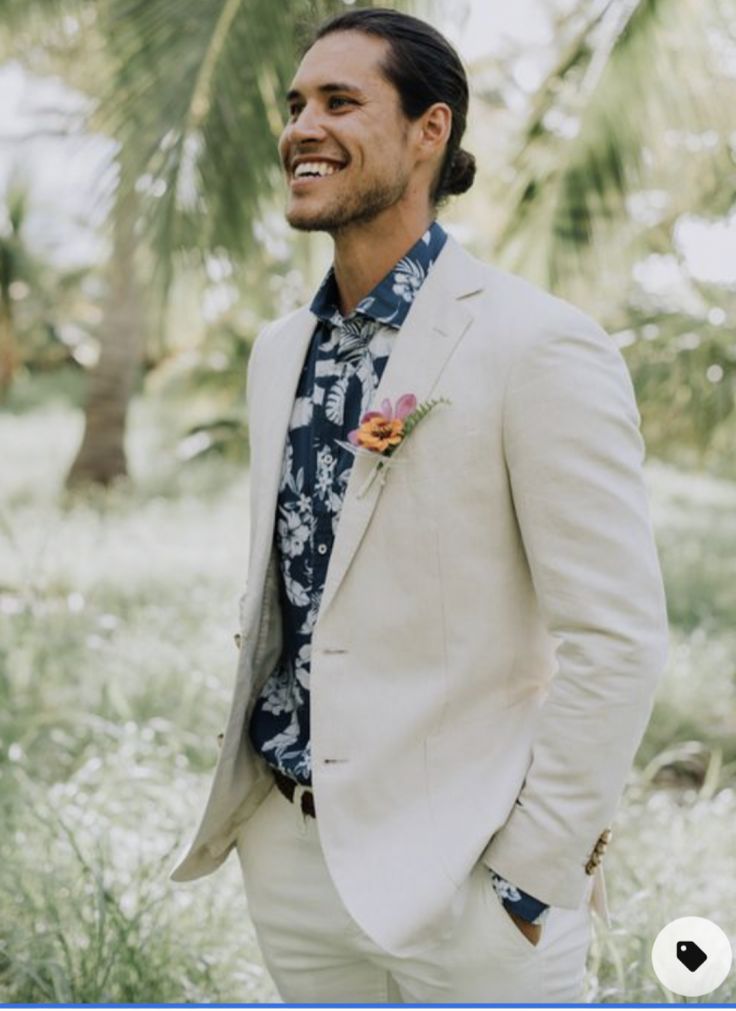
(574, 457)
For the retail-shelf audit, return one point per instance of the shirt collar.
(391, 299)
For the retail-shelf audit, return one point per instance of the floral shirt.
(342, 369)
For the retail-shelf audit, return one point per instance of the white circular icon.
(691, 956)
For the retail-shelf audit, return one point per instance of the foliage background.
(141, 248)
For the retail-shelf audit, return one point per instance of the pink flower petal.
(405, 405)
(387, 410)
(353, 437)
(370, 414)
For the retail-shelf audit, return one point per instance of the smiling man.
(446, 664)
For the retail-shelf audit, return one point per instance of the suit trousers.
(316, 953)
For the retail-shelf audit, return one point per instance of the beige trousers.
(316, 953)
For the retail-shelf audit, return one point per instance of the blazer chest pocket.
(441, 455)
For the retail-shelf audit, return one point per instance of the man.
(447, 663)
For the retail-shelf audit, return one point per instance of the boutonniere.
(381, 433)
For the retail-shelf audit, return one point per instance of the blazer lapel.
(431, 331)
(433, 327)
(287, 351)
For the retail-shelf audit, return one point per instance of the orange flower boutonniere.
(382, 432)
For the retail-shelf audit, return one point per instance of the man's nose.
(308, 125)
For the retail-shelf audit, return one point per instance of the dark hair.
(424, 68)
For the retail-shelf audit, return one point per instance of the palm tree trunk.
(9, 357)
(101, 458)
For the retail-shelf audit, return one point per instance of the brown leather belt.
(287, 786)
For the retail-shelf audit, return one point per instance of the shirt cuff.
(518, 902)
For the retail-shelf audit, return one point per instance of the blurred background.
(142, 246)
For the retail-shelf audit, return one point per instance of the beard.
(358, 207)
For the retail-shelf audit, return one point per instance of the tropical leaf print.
(335, 402)
(356, 334)
(310, 619)
(334, 391)
(287, 465)
(293, 532)
(286, 739)
(325, 471)
(301, 669)
(296, 593)
(277, 697)
(408, 277)
(302, 412)
(304, 766)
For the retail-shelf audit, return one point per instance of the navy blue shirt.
(342, 369)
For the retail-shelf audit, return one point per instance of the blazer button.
(220, 739)
(238, 639)
(602, 841)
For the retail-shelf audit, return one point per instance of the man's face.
(346, 148)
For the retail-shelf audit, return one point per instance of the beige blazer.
(493, 622)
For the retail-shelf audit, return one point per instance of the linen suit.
(485, 708)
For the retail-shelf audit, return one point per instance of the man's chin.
(303, 221)
(302, 224)
(357, 209)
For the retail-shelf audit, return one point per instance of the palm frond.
(195, 98)
(633, 71)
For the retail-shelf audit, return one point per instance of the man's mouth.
(309, 171)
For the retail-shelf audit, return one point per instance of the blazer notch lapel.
(280, 372)
(433, 328)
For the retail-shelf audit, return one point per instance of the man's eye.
(335, 101)
(294, 110)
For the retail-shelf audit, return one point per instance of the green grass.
(116, 663)
(116, 659)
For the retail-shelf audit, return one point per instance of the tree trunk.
(101, 457)
(9, 357)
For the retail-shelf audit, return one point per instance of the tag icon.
(691, 956)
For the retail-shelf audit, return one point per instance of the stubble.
(357, 208)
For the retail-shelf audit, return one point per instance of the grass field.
(116, 662)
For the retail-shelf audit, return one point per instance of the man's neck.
(364, 254)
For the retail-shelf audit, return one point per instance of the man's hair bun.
(461, 173)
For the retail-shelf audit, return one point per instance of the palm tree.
(636, 104)
(101, 457)
(192, 91)
(22, 274)
(14, 267)
(601, 126)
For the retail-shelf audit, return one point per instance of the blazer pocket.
(443, 457)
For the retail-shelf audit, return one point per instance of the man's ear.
(436, 124)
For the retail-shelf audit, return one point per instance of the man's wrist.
(519, 902)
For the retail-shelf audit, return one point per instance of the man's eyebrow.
(326, 89)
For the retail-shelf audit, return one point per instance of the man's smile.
(305, 170)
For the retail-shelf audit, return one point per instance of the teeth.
(317, 168)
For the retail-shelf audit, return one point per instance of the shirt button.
(322, 549)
